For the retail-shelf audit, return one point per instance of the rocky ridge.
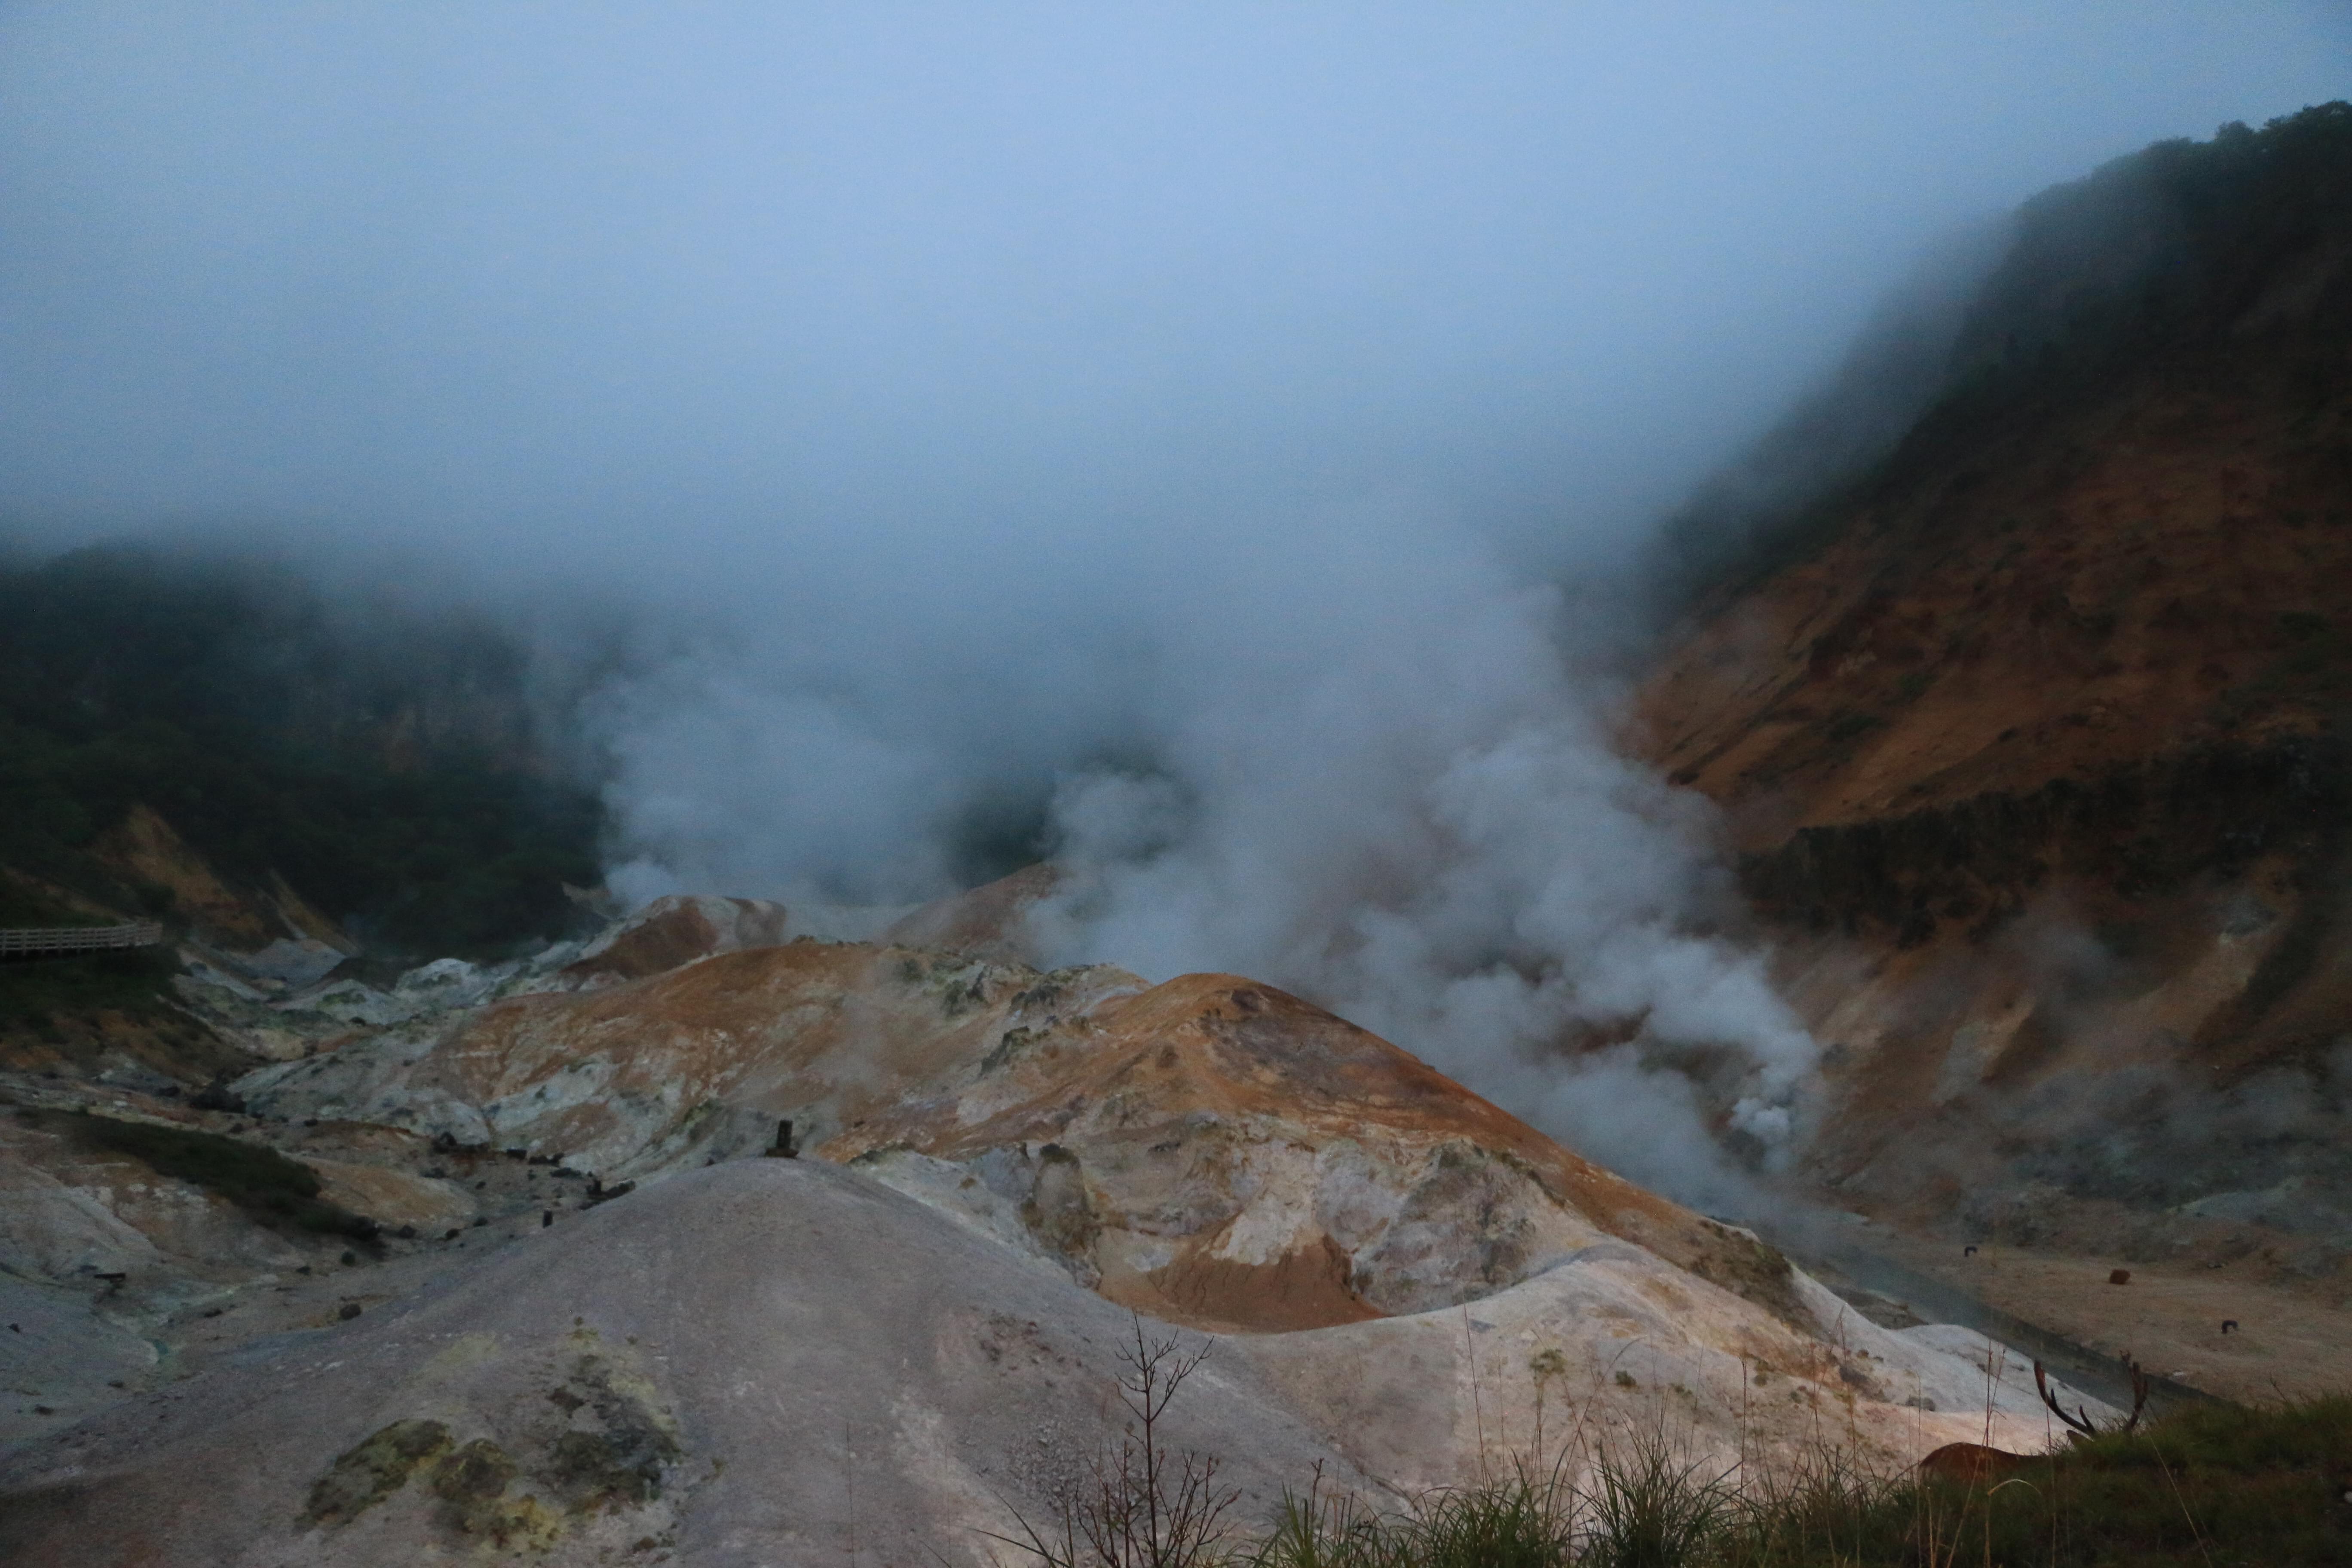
(1399, 1280)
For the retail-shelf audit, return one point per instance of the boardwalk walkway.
(24, 942)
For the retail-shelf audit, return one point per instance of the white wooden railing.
(79, 939)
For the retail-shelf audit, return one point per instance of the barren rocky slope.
(599, 1325)
(2030, 739)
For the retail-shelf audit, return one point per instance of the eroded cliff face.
(2031, 746)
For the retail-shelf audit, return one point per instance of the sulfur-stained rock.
(753, 1363)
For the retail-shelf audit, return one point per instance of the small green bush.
(1649, 1508)
(277, 1192)
(1526, 1522)
(134, 982)
(283, 730)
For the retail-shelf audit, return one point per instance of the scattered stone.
(348, 1310)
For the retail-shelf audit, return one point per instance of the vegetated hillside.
(375, 762)
(2033, 736)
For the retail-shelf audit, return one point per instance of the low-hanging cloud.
(1398, 795)
(1350, 752)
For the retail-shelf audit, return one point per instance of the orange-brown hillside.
(2030, 739)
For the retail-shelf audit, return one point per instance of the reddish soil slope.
(2031, 740)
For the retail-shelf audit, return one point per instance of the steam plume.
(1411, 812)
(1354, 755)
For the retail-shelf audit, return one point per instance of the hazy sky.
(813, 281)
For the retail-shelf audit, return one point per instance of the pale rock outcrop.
(1209, 1151)
(1403, 1282)
(755, 1364)
(760, 1363)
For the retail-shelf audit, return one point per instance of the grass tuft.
(2212, 1485)
(1649, 1508)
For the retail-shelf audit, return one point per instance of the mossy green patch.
(133, 982)
(597, 1468)
(617, 1443)
(277, 1192)
(610, 1454)
(373, 1468)
(472, 1484)
(226, 694)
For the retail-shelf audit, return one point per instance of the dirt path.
(2290, 1340)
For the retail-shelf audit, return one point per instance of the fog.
(1205, 443)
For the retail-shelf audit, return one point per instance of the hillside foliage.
(380, 761)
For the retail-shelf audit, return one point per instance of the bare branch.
(1142, 1506)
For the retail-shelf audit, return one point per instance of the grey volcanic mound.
(759, 1362)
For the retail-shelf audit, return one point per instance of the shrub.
(1648, 1509)
(1142, 1505)
(279, 1193)
(2213, 1485)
